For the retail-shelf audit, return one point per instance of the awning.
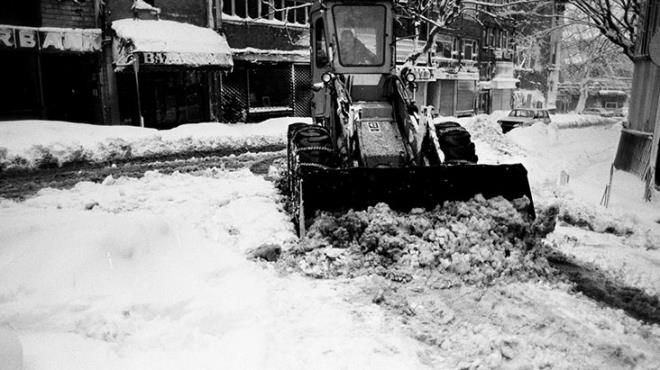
(168, 43)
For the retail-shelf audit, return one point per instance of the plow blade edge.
(402, 189)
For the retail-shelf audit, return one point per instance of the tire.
(456, 143)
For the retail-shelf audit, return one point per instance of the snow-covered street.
(150, 272)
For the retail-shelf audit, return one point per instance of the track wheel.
(310, 148)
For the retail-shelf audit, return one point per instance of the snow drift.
(34, 144)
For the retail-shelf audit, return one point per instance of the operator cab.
(353, 39)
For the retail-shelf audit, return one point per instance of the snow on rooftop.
(170, 36)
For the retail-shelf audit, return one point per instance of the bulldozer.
(369, 142)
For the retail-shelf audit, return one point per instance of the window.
(444, 46)
(469, 49)
(290, 11)
(360, 32)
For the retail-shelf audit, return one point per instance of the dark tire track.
(597, 285)
(21, 184)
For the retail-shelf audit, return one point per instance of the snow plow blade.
(336, 190)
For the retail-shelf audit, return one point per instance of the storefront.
(267, 84)
(502, 87)
(50, 73)
(454, 94)
(168, 73)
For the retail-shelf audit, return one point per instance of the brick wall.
(186, 11)
(66, 13)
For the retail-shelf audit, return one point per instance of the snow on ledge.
(32, 144)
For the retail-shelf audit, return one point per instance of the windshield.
(360, 32)
(521, 113)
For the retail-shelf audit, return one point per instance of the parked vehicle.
(522, 117)
(600, 112)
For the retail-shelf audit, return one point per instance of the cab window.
(360, 34)
(321, 52)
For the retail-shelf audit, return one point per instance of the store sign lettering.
(50, 39)
(172, 58)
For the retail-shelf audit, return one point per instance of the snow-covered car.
(522, 117)
(599, 112)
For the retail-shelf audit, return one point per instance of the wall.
(67, 14)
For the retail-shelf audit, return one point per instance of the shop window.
(270, 87)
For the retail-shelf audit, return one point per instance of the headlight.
(326, 77)
(410, 77)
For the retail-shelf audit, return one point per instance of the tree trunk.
(584, 94)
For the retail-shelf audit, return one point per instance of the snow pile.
(35, 144)
(574, 120)
(475, 242)
(154, 276)
(484, 130)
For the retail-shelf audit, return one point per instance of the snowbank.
(574, 120)
(154, 277)
(32, 144)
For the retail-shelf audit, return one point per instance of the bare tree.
(442, 14)
(591, 56)
(615, 19)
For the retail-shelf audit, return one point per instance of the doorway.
(70, 87)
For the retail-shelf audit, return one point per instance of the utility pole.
(557, 22)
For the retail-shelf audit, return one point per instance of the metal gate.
(234, 95)
(302, 76)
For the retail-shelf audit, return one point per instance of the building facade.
(167, 62)
(271, 50)
(468, 70)
(51, 56)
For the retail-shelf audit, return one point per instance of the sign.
(422, 74)
(373, 126)
(50, 39)
(187, 59)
